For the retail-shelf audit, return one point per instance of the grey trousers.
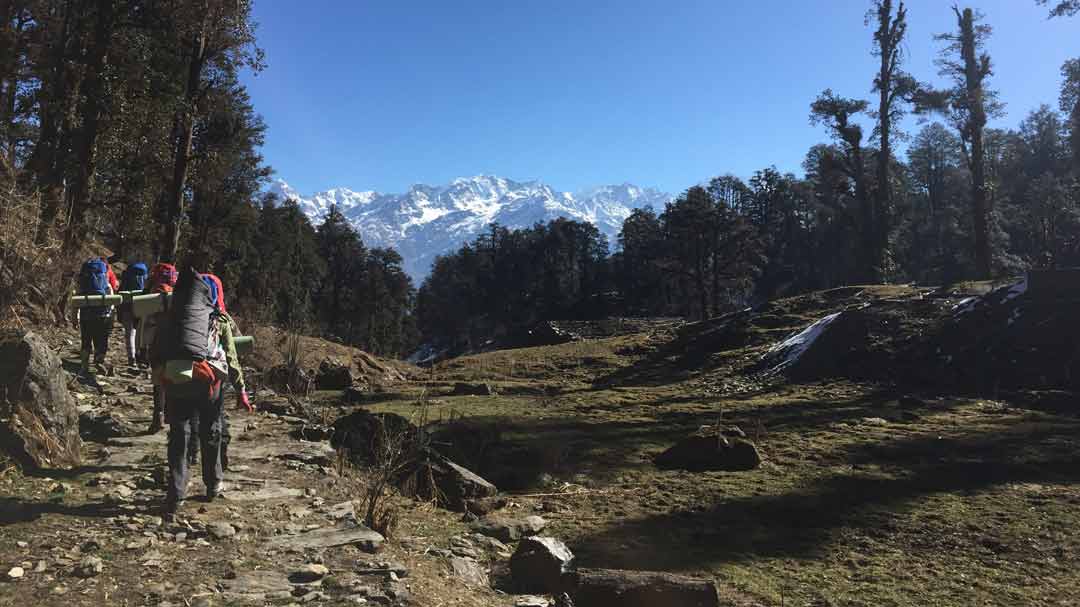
(185, 402)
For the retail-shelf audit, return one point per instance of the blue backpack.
(94, 278)
(134, 277)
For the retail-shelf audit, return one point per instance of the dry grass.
(29, 280)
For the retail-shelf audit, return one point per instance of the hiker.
(195, 353)
(133, 280)
(228, 327)
(161, 281)
(95, 322)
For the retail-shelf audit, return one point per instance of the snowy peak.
(427, 221)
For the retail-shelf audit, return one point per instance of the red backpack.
(162, 274)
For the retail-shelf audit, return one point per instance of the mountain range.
(427, 221)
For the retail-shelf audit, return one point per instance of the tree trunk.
(92, 110)
(973, 78)
(182, 151)
(49, 150)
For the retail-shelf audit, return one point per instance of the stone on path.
(539, 563)
(309, 573)
(469, 571)
(39, 421)
(89, 567)
(254, 585)
(602, 587)
(220, 530)
(15, 573)
(368, 540)
(711, 448)
(508, 529)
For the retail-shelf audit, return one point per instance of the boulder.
(613, 588)
(334, 375)
(539, 564)
(362, 433)
(509, 529)
(711, 448)
(39, 421)
(454, 485)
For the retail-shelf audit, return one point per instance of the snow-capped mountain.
(427, 221)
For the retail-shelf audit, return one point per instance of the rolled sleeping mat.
(147, 305)
(244, 344)
(96, 301)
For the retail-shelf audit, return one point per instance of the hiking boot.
(170, 509)
(99, 368)
(218, 490)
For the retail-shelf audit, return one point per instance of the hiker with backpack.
(195, 353)
(133, 280)
(161, 281)
(95, 322)
(228, 329)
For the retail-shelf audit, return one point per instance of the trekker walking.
(228, 329)
(133, 280)
(195, 356)
(162, 280)
(95, 323)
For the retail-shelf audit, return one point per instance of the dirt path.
(285, 533)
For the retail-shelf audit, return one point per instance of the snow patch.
(795, 346)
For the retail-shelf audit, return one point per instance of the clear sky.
(381, 94)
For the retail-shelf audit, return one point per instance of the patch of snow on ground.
(794, 346)
(1000, 295)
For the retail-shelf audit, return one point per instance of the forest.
(124, 123)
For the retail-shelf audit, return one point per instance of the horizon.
(596, 95)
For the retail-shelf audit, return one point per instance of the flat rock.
(220, 530)
(508, 529)
(469, 571)
(589, 587)
(367, 539)
(254, 585)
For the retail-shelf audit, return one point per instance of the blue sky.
(577, 93)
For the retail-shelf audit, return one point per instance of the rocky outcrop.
(539, 564)
(711, 448)
(39, 422)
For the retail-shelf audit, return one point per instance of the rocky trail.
(286, 531)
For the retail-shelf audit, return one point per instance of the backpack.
(134, 277)
(94, 278)
(219, 300)
(163, 274)
(189, 319)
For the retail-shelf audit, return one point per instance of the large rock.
(363, 433)
(612, 588)
(333, 375)
(539, 564)
(39, 421)
(468, 389)
(454, 485)
(711, 448)
(507, 528)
